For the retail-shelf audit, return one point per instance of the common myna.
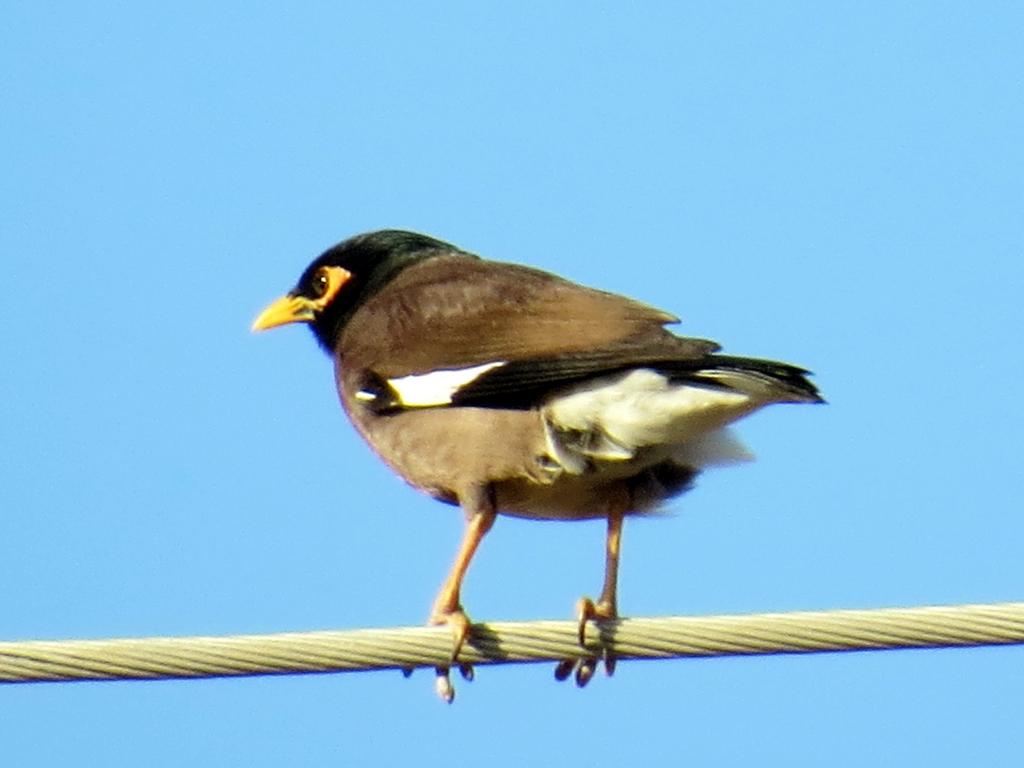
(508, 390)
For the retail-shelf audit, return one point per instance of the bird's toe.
(460, 625)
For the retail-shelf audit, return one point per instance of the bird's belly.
(636, 488)
(442, 452)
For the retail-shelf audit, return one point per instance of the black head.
(343, 277)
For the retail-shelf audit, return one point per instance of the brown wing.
(456, 311)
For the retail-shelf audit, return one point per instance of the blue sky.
(836, 185)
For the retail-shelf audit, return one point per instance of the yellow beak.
(287, 309)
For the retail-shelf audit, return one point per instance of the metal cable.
(507, 642)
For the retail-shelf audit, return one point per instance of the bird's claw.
(585, 611)
(443, 682)
(584, 666)
(460, 625)
(443, 685)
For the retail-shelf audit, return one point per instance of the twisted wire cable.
(511, 642)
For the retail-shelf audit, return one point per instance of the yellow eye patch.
(326, 283)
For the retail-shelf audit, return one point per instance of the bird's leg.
(448, 605)
(480, 513)
(606, 606)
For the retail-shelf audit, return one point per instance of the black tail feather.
(793, 379)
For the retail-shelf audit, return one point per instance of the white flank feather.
(720, 448)
(642, 408)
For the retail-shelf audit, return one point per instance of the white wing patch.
(425, 390)
(612, 418)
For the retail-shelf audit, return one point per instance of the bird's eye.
(323, 285)
(321, 282)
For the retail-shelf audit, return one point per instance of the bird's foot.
(585, 664)
(459, 623)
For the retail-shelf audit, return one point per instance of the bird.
(508, 390)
